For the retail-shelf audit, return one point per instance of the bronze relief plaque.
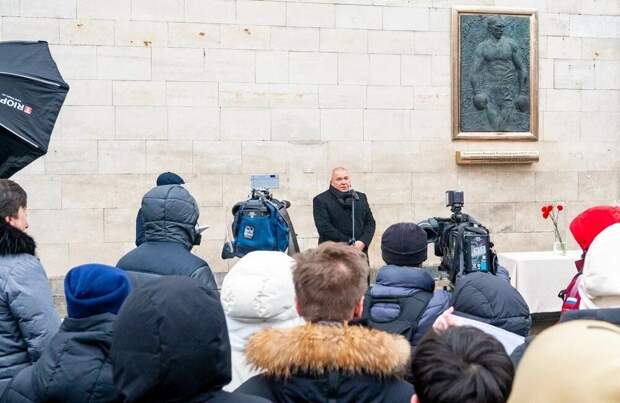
(494, 74)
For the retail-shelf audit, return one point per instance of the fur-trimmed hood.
(319, 348)
(14, 241)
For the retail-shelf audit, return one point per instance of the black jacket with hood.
(170, 217)
(491, 299)
(329, 362)
(75, 368)
(171, 345)
(166, 178)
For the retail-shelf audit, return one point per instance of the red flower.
(560, 207)
(546, 210)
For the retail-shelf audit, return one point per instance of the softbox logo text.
(14, 103)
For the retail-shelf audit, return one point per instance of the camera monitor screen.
(478, 252)
(271, 181)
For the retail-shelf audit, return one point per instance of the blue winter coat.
(402, 281)
(28, 319)
(170, 217)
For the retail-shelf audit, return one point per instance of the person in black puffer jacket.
(491, 299)
(170, 217)
(171, 345)
(76, 366)
(167, 178)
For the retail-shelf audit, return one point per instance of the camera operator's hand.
(359, 245)
(445, 320)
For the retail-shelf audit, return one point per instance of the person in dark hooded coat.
(491, 299)
(167, 178)
(171, 345)
(76, 366)
(170, 226)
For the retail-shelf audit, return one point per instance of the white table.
(539, 276)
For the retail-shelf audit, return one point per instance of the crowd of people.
(307, 328)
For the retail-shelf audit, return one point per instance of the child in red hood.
(585, 227)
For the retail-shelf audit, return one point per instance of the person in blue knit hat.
(167, 178)
(76, 366)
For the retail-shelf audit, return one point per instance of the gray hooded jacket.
(170, 217)
(28, 319)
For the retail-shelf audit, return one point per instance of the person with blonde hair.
(576, 361)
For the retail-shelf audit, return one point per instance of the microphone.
(354, 194)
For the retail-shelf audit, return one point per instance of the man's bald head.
(340, 179)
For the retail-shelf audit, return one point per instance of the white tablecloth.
(539, 276)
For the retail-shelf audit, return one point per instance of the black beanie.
(169, 178)
(404, 244)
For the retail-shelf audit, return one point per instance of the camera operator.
(343, 215)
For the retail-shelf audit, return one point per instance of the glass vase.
(559, 235)
(559, 247)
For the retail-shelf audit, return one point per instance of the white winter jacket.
(600, 282)
(258, 292)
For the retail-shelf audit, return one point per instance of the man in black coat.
(334, 213)
(171, 345)
(170, 217)
(76, 366)
(329, 359)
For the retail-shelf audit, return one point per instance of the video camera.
(462, 242)
(261, 222)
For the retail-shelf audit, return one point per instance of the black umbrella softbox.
(32, 92)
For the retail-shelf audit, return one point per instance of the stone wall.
(216, 90)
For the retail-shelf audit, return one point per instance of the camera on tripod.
(462, 242)
(261, 222)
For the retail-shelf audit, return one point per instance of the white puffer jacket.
(600, 282)
(258, 292)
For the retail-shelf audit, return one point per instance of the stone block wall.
(217, 90)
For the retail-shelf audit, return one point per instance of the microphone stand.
(355, 197)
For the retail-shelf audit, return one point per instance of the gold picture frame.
(476, 115)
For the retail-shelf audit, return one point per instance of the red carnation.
(549, 211)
